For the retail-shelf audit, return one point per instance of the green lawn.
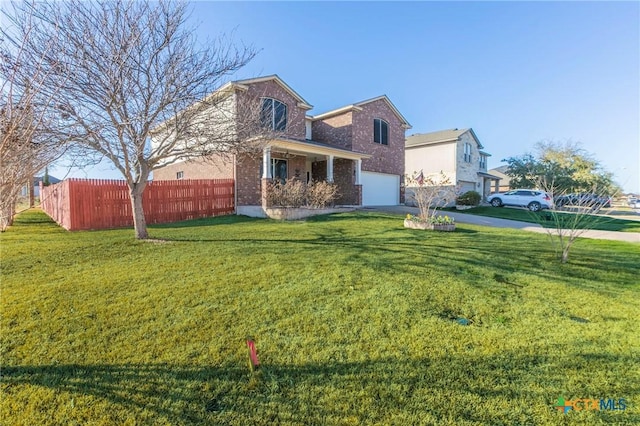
(354, 317)
(598, 222)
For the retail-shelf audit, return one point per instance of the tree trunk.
(139, 223)
(32, 195)
(5, 218)
(565, 253)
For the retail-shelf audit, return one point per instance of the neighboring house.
(505, 179)
(457, 153)
(359, 147)
(24, 191)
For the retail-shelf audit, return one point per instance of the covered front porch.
(307, 161)
(488, 182)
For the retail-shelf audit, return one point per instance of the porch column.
(266, 163)
(358, 170)
(330, 168)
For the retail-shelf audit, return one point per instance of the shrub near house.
(293, 193)
(469, 198)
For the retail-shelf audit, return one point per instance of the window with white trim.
(483, 162)
(467, 152)
(273, 114)
(180, 175)
(380, 131)
(279, 170)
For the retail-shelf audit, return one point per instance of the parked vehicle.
(584, 199)
(532, 199)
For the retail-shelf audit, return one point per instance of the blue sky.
(516, 72)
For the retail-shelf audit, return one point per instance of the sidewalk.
(631, 237)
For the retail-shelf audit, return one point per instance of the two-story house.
(359, 147)
(456, 153)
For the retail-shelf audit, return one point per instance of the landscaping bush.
(321, 194)
(294, 193)
(469, 198)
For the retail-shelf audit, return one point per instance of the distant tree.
(45, 177)
(564, 166)
(31, 132)
(132, 71)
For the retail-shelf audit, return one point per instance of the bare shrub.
(294, 193)
(429, 193)
(291, 193)
(321, 194)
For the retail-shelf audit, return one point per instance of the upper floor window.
(180, 175)
(380, 131)
(483, 162)
(467, 152)
(273, 114)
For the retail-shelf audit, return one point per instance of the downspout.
(235, 184)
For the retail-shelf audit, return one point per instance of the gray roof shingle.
(435, 137)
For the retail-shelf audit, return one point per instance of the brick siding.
(344, 177)
(336, 131)
(386, 158)
(295, 115)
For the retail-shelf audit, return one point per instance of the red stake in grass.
(253, 356)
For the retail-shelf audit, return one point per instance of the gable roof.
(501, 172)
(52, 179)
(358, 107)
(500, 169)
(242, 85)
(441, 136)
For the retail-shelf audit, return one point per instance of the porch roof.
(488, 176)
(306, 147)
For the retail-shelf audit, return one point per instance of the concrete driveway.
(631, 237)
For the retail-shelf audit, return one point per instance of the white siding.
(431, 159)
(308, 133)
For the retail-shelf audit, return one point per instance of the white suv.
(532, 199)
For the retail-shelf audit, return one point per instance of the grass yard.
(601, 223)
(355, 320)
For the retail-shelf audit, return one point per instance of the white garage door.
(380, 189)
(466, 186)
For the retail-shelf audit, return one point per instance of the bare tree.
(580, 187)
(29, 121)
(132, 71)
(573, 215)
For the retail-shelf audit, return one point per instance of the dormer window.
(273, 114)
(380, 131)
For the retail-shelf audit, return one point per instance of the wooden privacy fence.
(80, 204)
